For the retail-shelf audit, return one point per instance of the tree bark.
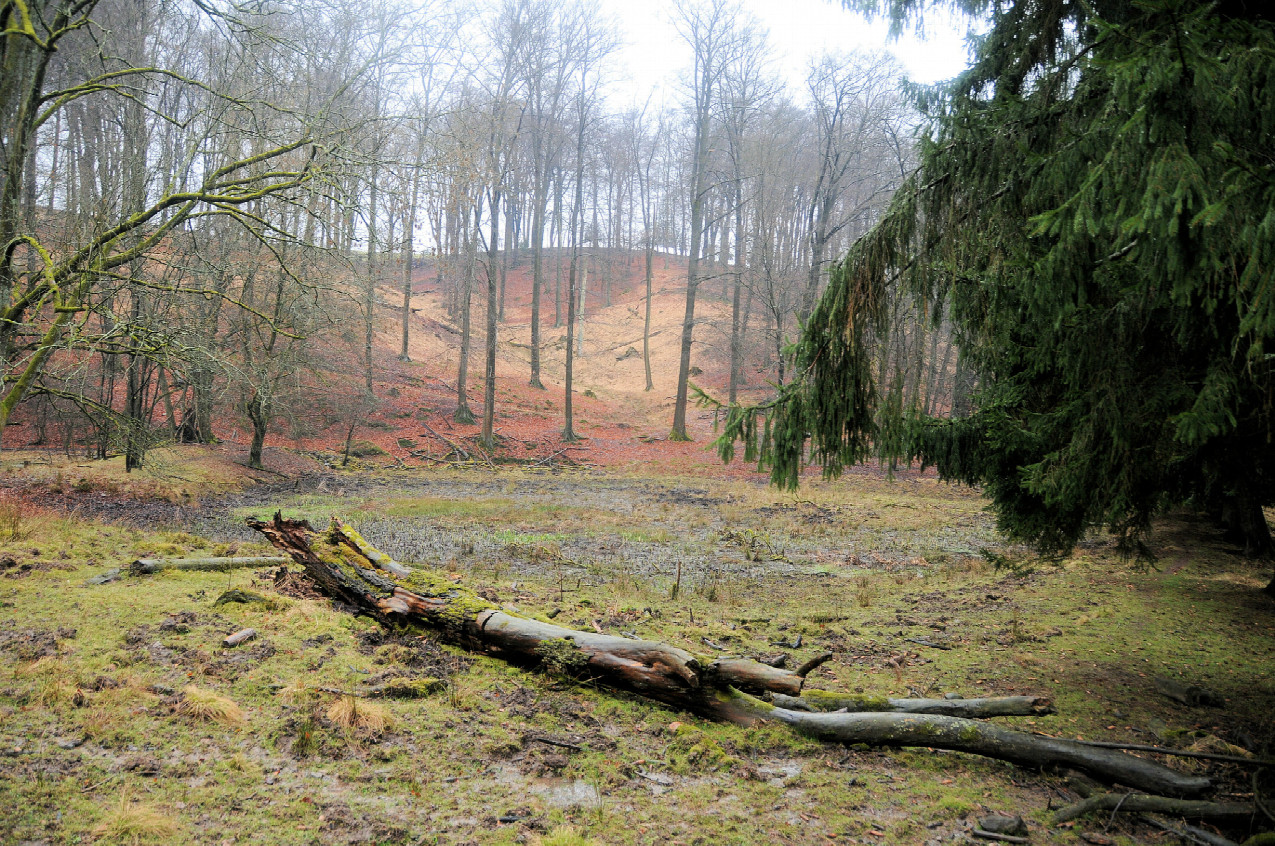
(463, 414)
(148, 566)
(339, 562)
(999, 706)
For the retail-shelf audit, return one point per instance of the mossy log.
(988, 739)
(340, 564)
(147, 566)
(995, 706)
(718, 689)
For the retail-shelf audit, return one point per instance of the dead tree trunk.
(348, 569)
(338, 561)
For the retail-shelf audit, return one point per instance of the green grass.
(110, 745)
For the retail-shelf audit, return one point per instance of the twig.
(549, 458)
(459, 450)
(1189, 833)
(928, 643)
(1115, 811)
(1003, 838)
(549, 741)
(1257, 797)
(716, 646)
(339, 692)
(817, 661)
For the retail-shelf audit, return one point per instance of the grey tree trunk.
(463, 414)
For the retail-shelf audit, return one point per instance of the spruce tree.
(1096, 205)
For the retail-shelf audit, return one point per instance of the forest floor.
(123, 718)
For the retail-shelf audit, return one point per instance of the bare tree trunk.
(487, 438)
(736, 327)
(646, 326)
(409, 252)
(463, 414)
(259, 413)
(369, 303)
(568, 430)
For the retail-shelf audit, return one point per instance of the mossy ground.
(98, 743)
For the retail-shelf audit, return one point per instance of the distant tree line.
(195, 197)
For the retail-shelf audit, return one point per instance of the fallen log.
(149, 566)
(857, 703)
(342, 569)
(718, 689)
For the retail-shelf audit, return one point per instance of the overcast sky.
(799, 30)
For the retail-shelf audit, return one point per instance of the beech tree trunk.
(348, 569)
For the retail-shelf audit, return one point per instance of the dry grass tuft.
(351, 713)
(297, 692)
(210, 707)
(135, 823)
(564, 835)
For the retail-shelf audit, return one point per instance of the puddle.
(555, 792)
(566, 793)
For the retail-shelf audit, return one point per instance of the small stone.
(1001, 824)
(953, 696)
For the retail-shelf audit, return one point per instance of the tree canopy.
(1095, 209)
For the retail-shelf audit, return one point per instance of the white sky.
(799, 30)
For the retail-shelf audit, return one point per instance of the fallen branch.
(149, 566)
(997, 836)
(561, 744)
(718, 689)
(238, 637)
(1227, 813)
(454, 447)
(814, 663)
(964, 735)
(931, 644)
(999, 706)
(1191, 834)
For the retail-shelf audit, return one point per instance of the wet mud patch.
(33, 644)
